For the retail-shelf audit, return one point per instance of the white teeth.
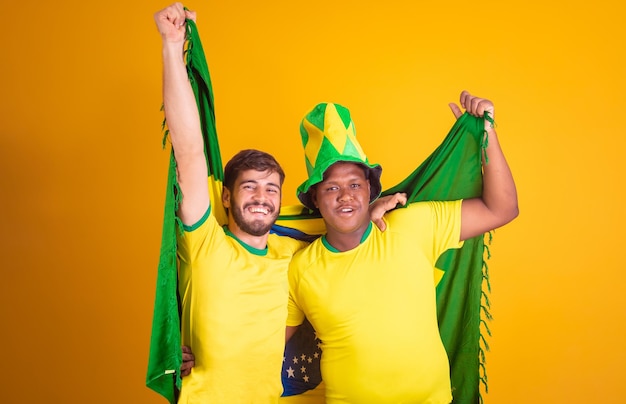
(259, 210)
(346, 210)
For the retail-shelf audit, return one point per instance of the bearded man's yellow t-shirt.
(234, 307)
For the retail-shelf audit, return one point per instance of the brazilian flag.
(452, 171)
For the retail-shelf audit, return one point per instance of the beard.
(255, 227)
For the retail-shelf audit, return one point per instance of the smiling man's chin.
(256, 228)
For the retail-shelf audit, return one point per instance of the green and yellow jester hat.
(328, 136)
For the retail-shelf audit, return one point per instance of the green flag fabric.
(165, 356)
(452, 171)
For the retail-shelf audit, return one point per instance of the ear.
(225, 197)
(313, 193)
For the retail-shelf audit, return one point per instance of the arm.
(294, 313)
(181, 114)
(289, 331)
(498, 204)
(383, 205)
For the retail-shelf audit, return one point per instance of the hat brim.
(374, 172)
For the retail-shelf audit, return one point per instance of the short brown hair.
(250, 159)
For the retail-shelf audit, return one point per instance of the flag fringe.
(485, 314)
(484, 143)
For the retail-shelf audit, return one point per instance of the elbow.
(514, 213)
(507, 207)
(504, 214)
(510, 214)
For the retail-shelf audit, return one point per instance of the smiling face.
(343, 200)
(253, 203)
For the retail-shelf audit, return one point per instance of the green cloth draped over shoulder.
(452, 171)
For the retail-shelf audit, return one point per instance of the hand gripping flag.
(452, 171)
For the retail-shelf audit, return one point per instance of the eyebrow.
(257, 183)
(347, 179)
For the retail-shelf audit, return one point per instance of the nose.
(345, 194)
(258, 195)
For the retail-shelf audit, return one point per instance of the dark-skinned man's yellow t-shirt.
(374, 308)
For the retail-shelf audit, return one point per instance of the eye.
(272, 190)
(331, 189)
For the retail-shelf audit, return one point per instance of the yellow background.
(82, 170)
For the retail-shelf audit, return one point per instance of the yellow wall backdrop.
(82, 171)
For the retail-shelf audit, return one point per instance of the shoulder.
(286, 243)
(306, 256)
(412, 210)
(422, 212)
(426, 208)
(308, 250)
(203, 227)
(205, 234)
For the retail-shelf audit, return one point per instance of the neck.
(346, 241)
(258, 242)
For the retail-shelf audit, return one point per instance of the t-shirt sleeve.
(192, 239)
(437, 223)
(446, 218)
(295, 315)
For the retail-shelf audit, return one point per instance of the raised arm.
(498, 204)
(181, 114)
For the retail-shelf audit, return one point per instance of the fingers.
(456, 111)
(190, 15)
(188, 361)
(185, 368)
(188, 356)
(174, 16)
(398, 198)
(380, 223)
(475, 106)
(383, 205)
(392, 201)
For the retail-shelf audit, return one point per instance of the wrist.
(173, 49)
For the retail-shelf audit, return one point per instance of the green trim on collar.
(333, 249)
(249, 248)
